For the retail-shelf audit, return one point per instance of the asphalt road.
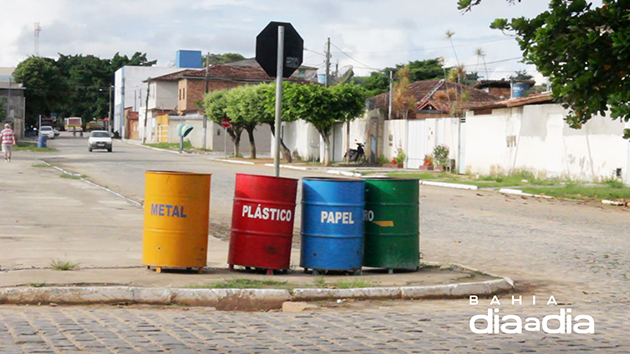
(123, 171)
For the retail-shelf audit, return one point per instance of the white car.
(100, 139)
(47, 131)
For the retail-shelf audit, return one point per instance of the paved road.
(123, 171)
(579, 254)
(415, 328)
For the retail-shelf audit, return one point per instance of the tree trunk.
(250, 131)
(235, 134)
(326, 139)
(286, 153)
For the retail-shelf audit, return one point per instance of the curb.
(449, 185)
(230, 298)
(520, 192)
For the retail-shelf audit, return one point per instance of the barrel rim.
(268, 177)
(387, 178)
(177, 173)
(333, 179)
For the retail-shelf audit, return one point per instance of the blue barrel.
(519, 89)
(41, 142)
(332, 224)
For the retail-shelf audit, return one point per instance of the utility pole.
(205, 118)
(109, 111)
(146, 113)
(327, 63)
(391, 94)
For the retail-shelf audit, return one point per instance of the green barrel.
(391, 223)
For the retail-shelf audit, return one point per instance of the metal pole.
(327, 63)
(109, 112)
(225, 141)
(205, 118)
(391, 88)
(279, 73)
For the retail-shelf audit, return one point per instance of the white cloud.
(375, 33)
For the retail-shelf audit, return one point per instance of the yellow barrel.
(176, 215)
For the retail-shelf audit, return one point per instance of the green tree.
(419, 70)
(583, 49)
(137, 59)
(403, 101)
(244, 107)
(71, 86)
(521, 75)
(3, 108)
(322, 107)
(46, 87)
(215, 104)
(267, 97)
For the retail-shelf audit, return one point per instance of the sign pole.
(280, 66)
(225, 141)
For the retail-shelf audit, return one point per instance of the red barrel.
(262, 221)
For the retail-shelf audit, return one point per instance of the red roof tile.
(425, 93)
(224, 72)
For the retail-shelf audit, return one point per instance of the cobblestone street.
(418, 327)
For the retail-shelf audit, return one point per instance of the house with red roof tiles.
(174, 98)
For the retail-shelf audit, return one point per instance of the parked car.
(56, 132)
(100, 139)
(47, 131)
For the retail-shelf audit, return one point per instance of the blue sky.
(366, 34)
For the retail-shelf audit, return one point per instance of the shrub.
(400, 158)
(440, 155)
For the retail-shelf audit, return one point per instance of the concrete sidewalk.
(48, 216)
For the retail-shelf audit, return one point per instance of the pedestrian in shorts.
(8, 140)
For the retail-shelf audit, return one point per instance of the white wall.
(537, 139)
(215, 136)
(163, 95)
(131, 91)
(302, 139)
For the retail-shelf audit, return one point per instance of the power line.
(434, 48)
(346, 54)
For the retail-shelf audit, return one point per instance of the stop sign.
(267, 49)
(226, 123)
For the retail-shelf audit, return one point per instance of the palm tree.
(480, 54)
(449, 36)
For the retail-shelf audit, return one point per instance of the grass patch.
(421, 175)
(37, 285)
(320, 282)
(240, 283)
(72, 176)
(342, 284)
(170, 146)
(60, 264)
(583, 192)
(27, 146)
(41, 165)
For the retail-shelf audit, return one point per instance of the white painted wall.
(537, 139)
(131, 91)
(163, 95)
(215, 136)
(302, 139)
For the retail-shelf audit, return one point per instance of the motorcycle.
(356, 155)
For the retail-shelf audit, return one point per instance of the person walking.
(8, 140)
